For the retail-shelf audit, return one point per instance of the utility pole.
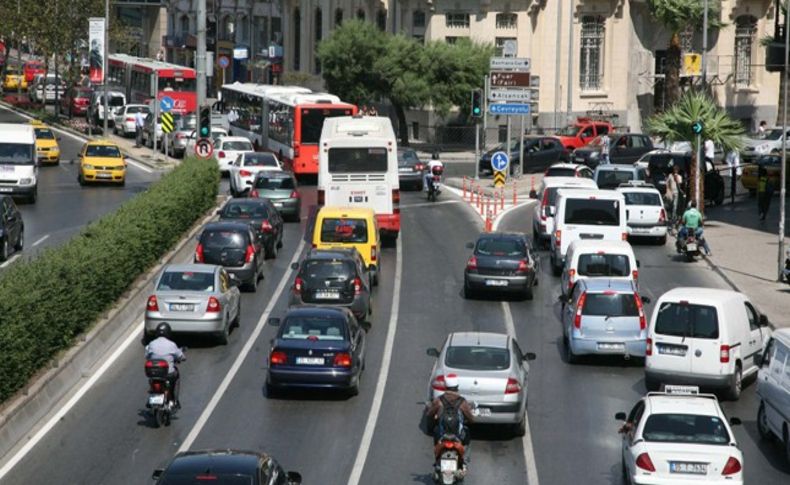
(782, 180)
(704, 45)
(570, 60)
(200, 62)
(105, 63)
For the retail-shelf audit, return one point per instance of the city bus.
(134, 76)
(358, 166)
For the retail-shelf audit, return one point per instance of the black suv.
(12, 228)
(263, 218)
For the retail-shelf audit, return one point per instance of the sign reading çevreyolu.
(502, 79)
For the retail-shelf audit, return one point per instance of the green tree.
(455, 70)
(677, 16)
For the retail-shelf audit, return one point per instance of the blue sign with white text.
(508, 109)
(500, 161)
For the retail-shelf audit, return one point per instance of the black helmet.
(163, 330)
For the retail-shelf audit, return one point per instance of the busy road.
(572, 434)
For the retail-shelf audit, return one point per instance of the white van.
(704, 337)
(543, 220)
(773, 388)
(18, 164)
(613, 260)
(586, 214)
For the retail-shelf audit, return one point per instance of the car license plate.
(278, 205)
(611, 346)
(156, 399)
(691, 247)
(496, 282)
(671, 350)
(449, 466)
(640, 229)
(404, 170)
(691, 468)
(310, 361)
(327, 295)
(103, 175)
(182, 307)
(481, 412)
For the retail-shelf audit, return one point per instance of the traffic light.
(204, 125)
(477, 103)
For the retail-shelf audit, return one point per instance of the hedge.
(47, 301)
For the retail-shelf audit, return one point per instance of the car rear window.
(245, 211)
(642, 198)
(344, 230)
(560, 172)
(274, 182)
(489, 246)
(204, 478)
(242, 146)
(687, 320)
(186, 281)
(595, 212)
(685, 428)
(611, 179)
(477, 358)
(610, 305)
(260, 160)
(328, 269)
(218, 239)
(408, 156)
(357, 160)
(103, 151)
(313, 328)
(603, 265)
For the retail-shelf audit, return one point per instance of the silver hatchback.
(492, 372)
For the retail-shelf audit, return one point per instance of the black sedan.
(502, 263)
(625, 148)
(262, 216)
(540, 152)
(316, 347)
(225, 466)
(410, 169)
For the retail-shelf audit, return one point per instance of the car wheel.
(556, 269)
(31, 199)
(354, 390)
(762, 424)
(528, 293)
(272, 391)
(252, 286)
(626, 478)
(222, 337)
(572, 358)
(736, 385)
(236, 321)
(20, 243)
(80, 179)
(467, 292)
(271, 251)
(520, 428)
(4, 250)
(787, 446)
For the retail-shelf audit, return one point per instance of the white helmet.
(451, 381)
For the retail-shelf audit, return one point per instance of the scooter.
(161, 400)
(433, 183)
(689, 247)
(449, 467)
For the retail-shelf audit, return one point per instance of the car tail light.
(662, 217)
(357, 286)
(266, 226)
(544, 205)
(153, 304)
(523, 266)
(221, 154)
(571, 275)
(419, 167)
(577, 319)
(635, 274)
(649, 346)
(471, 264)
(644, 462)
(724, 354)
(512, 386)
(558, 238)
(245, 173)
(254, 193)
(180, 136)
(373, 253)
(278, 357)
(396, 196)
(298, 285)
(641, 308)
(732, 466)
(438, 384)
(205, 478)
(342, 359)
(320, 199)
(249, 255)
(213, 305)
(199, 253)
(295, 194)
(129, 120)
(624, 236)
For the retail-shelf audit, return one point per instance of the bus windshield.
(313, 122)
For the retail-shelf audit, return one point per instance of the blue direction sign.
(166, 104)
(500, 161)
(508, 109)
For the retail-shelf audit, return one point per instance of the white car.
(228, 150)
(644, 211)
(543, 218)
(247, 165)
(124, 118)
(564, 169)
(770, 143)
(679, 437)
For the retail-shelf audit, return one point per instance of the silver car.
(124, 119)
(194, 298)
(492, 372)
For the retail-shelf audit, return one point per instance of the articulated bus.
(135, 77)
(295, 116)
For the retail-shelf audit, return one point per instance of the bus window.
(357, 160)
(313, 122)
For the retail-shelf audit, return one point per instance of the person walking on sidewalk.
(710, 150)
(674, 184)
(764, 192)
(139, 121)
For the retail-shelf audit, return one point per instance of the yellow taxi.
(13, 78)
(101, 161)
(772, 165)
(351, 227)
(47, 148)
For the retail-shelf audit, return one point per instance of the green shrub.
(47, 301)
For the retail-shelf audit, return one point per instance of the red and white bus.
(295, 117)
(135, 76)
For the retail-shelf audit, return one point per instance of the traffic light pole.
(477, 149)
(697, 172)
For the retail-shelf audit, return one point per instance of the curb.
(23, 413)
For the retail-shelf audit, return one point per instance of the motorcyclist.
(428, 177)
(692, 220)
(451, 400)
(163, 348)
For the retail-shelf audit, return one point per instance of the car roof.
(591, 194)
(551, 182)
(481, 339)
(501, 235)
(567, 165)
(316, 311)
(683, 404)
(194, 268)
(616, 167)
(783, 335)
(215, 462)
(334, 211)
(226, 226)
(709, 296)
(248, 201)
(607, 284)
(235, 138)
(278, 174)
(636, 188)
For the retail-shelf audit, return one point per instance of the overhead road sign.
(521, 64)
(204, 148)
(510, 95)
(501, 79)
(508, 109)
(499, 178)
(499, 161)
(168, 123)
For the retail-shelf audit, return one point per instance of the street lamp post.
(783, 181)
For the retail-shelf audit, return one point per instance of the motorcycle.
(433, 183)
(786, 271)
(161, 400)
(689, 247)
(450, 467)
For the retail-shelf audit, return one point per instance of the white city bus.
(358, 166)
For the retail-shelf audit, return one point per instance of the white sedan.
(228, 148)
(679, 437)
(246, 166)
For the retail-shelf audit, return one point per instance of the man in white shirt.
(139, 121)
(734, 161)
(710, 150)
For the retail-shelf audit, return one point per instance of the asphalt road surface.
(106, 439)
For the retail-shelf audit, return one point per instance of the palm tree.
(677, 16)
(675, 124)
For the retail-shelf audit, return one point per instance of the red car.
(31, 68)
(76, 101)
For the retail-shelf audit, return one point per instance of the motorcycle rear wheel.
(161, 417)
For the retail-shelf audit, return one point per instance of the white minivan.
(773, 388)
(704, 337)
(18, 164)
(598, 215)
(613, 260)
(543, 219)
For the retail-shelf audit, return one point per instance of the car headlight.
(87, 166)
(25, 181)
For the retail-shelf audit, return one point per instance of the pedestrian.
(710, 151)
(139, 121)
(363, 110)
(734, 162)
(761, 129)
(605, 141)
(764, 192)
(373, 111)
(674, 183)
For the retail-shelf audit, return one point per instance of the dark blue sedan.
(316, 347)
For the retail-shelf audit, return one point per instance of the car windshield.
(685, 428)
(16, 153)
(604, 265)
(260, 159)
(116, 101)
(477, 358)
(687, 320)
(239, 210)
(497, 246)
(344, 230)
(108, 151)
(596, 212)
(611, 179)
(313, 328)
(568, 131)
(44, 134)
(642, 198)
(240, 145)
(203, 478)
(219, 239)
(610, 304)
(560, 172)
(274, 182)
(328, 269)
(186, 281)
(774, 134)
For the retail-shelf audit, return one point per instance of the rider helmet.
(163, 330)
(451, 382)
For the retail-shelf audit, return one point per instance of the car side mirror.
(529, 356)
(533, 194)
(759, 359)
(273, 321)
(735, 421)
(433, 352)
(470, 245)
(764, 321)
(638, 263)
(234, 280)
(620, 416)
(219, 212)
(157, 474)
(294, 265)
(562, 298)
(248, 182)
(646, 299)
(294, 478)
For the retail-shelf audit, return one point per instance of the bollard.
(502, 199)
(496, 205)
(472, 193)
(532, 192)
(515, 198)
(479, 199)
(488, 204)
(488, 225)
(464, 187)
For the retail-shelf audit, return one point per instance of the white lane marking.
(140, 166)
(234, 369)
(9, 261)
(41, 240)
(501, 216)
(423, 204)
(378, 396)
(526, 441)
(55, 419)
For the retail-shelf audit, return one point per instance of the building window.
(591, 54)
(506, 20)
(297, 39)
(243, 29)
(381, 20)
(361, 14)
(687, 40)
(338, 17)
(418, 19)
(745, 30)
(499, 44)
(184, 25)
(457, 20)
(319, 20)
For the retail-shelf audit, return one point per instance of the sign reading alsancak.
(510, 95)
(521, 64)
